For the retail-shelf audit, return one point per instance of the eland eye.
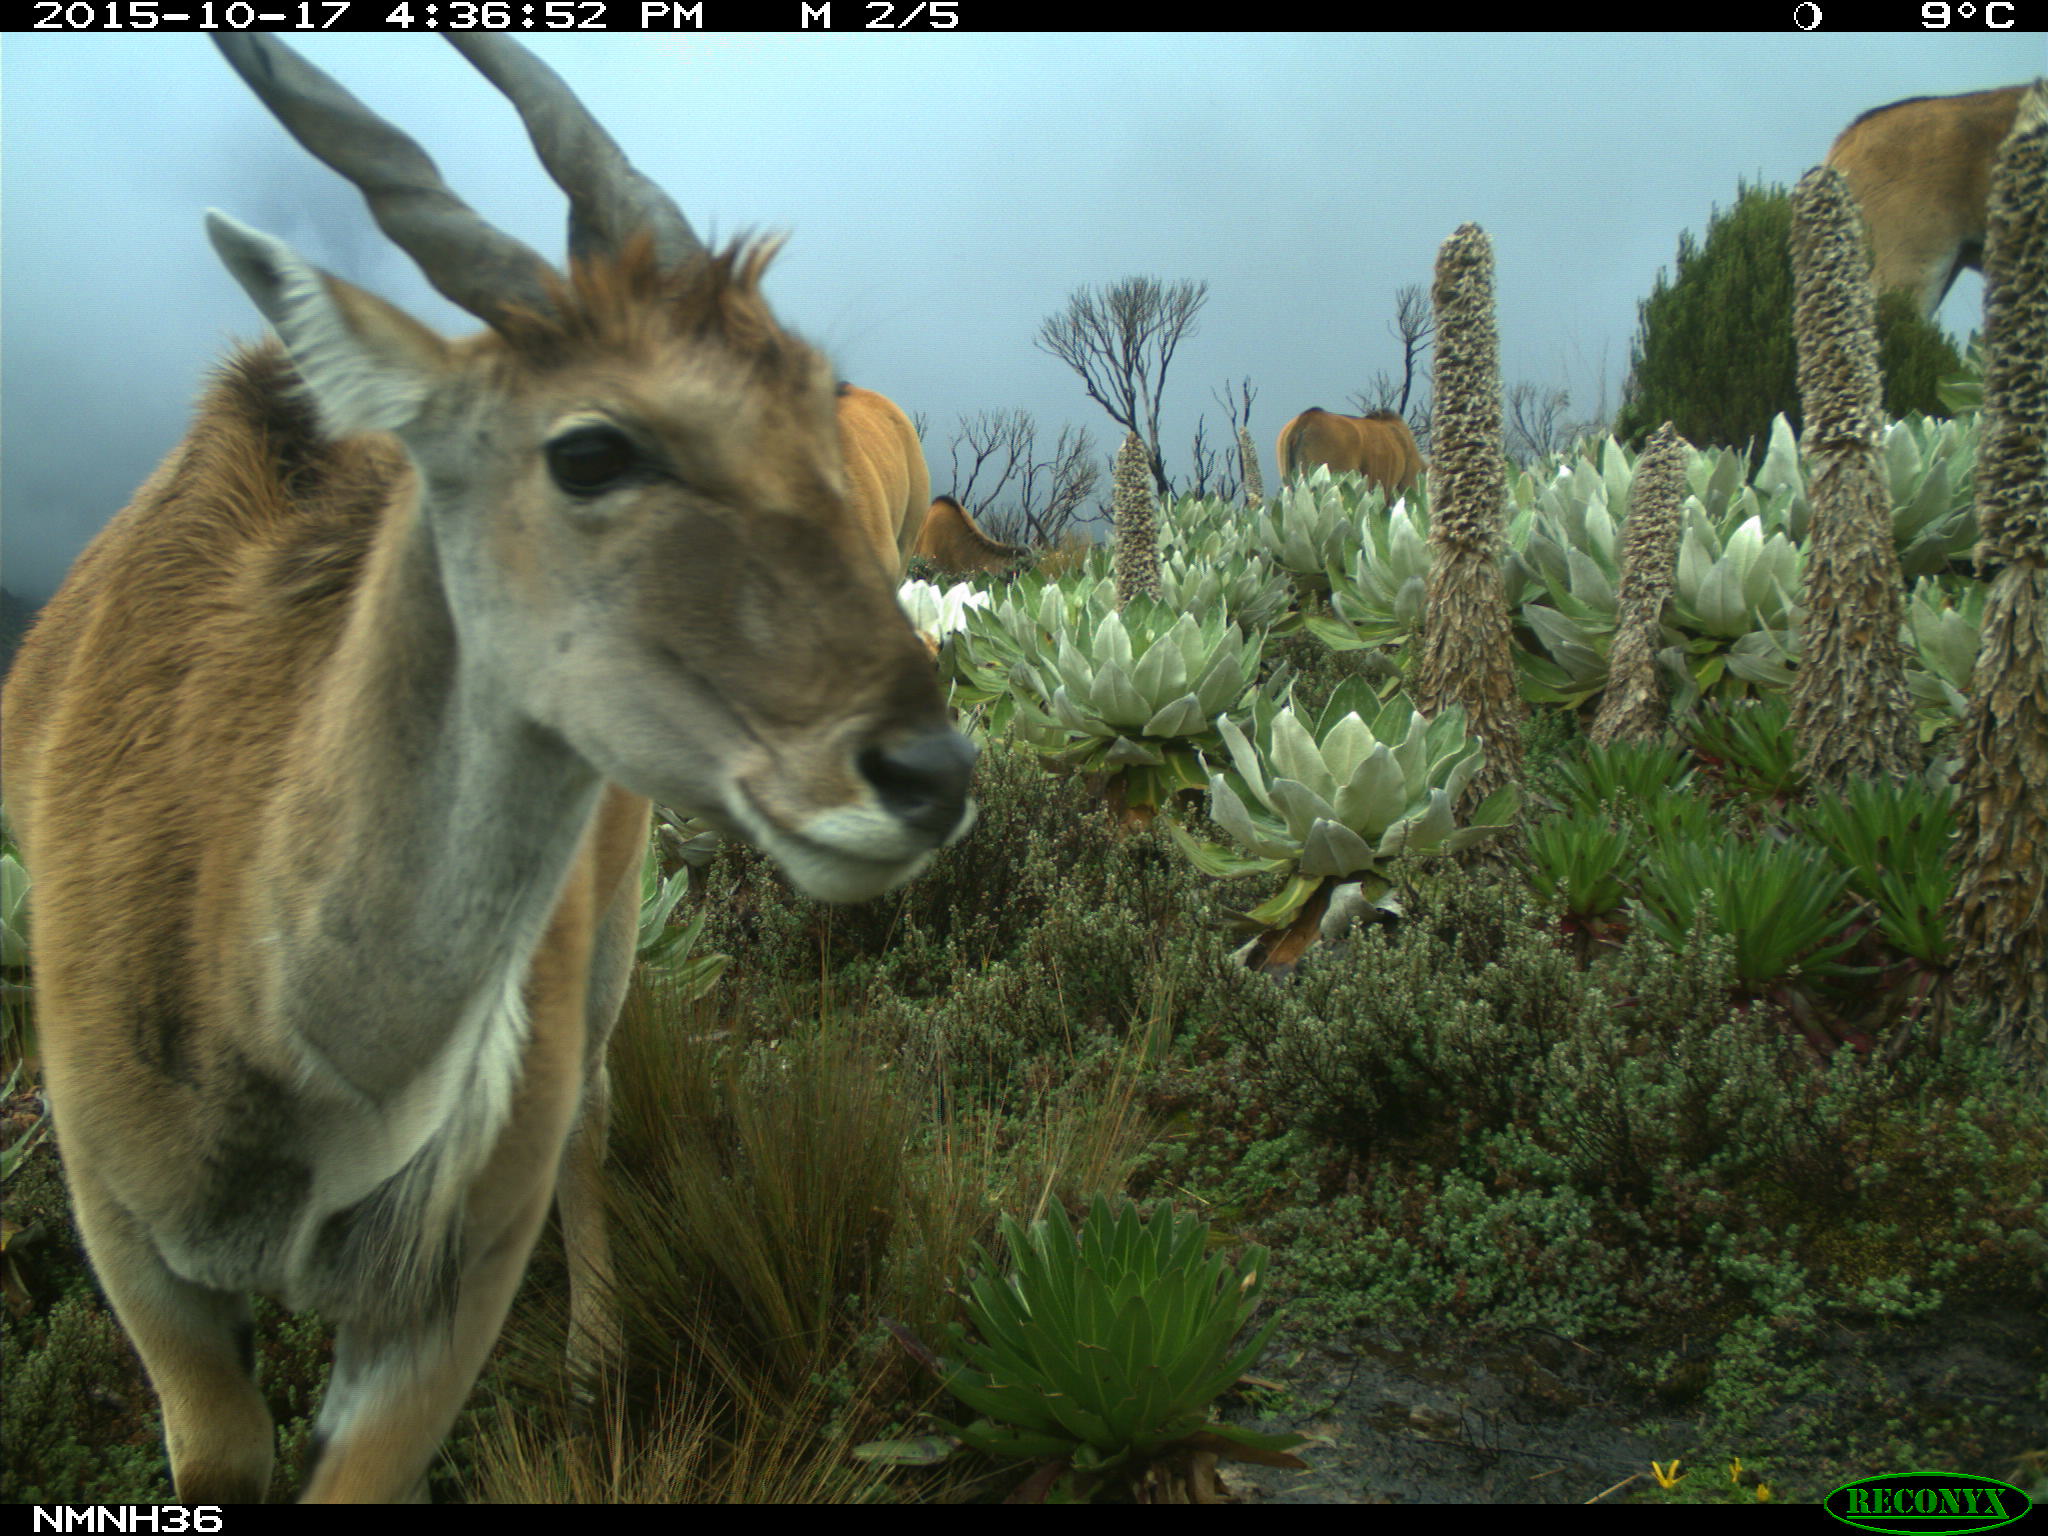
(591, 460)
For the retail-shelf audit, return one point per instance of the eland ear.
(367, 362)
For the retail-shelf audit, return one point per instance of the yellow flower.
(1735, 1471)
(1763, 1493)
(1668, 1477)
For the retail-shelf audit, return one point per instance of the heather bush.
(73, 1380)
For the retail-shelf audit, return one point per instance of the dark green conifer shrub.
(1713, 351)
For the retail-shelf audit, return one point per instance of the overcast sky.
(944, 194)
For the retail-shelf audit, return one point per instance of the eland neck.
(416, 861)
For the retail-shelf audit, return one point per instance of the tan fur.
(885, 463)
(956, 542)
(301, 861)
(1921, 171)
(1378, 446)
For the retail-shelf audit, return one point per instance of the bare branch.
(1018, 495)
(1121, 340)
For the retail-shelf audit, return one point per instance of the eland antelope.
(890, 481)
(953, 540)
(1920, 169)
(328, 761)
(1378, 446)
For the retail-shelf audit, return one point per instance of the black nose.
(923, 783)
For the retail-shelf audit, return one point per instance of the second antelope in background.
(1378, 446)
(1920, 169)
(328, 762)
(885, 463)
(956, 542)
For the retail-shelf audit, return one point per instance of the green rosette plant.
(1892, 839)
(1335, 794)
(1779, 904)
(1133, 694)
(1750, 746)
(664, 953)
(1630, 776)
(1944, 618)
(1582, 864)
(1104, 1348)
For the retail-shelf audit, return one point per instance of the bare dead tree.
(1591, 423)
(1422, 422)
(1208, 463)
(1019, 495)
(1406, 394)
(1240, 413)
(1202, 457)
(1536, 422)
(1053, 488)
(994, 444)
(1413, 326)
(1540, 418)
(1121, 340)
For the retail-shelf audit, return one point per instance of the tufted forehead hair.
(630, 305)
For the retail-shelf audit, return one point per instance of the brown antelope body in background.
(327, 760)
(885, 464)
(955, 541)
(1378, 446)
(1920, 169)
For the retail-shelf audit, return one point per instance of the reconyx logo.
(1916, 1502)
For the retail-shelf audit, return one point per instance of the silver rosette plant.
(1336, 794)
(1241, 587)
(1929, 468)
(939, 612)
(1734, 604)
(1134, 694)
(986, 664)
(665, 954)
(1317, 522)
(1731, 625)
(1205, 528)
(1377, 600)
